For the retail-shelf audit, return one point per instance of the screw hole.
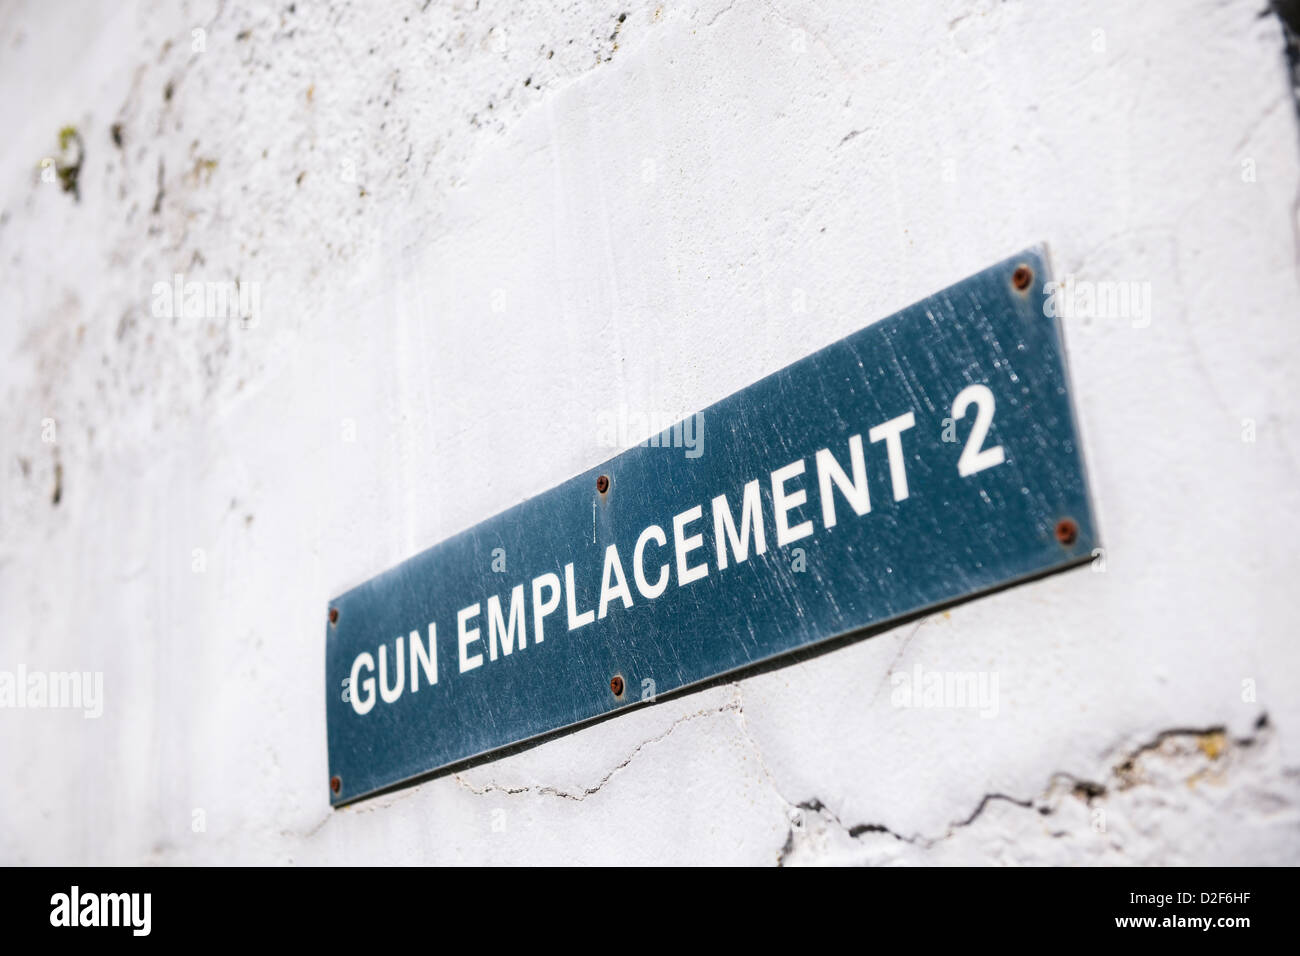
(1067, 532)
(336, 784)
(602, 484)
(616, 685)
(1022, 277)
(334, 615)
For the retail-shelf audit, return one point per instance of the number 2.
(972, 458)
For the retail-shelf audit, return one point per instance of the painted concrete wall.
(475, 226)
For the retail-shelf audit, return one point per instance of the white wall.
(645, 202)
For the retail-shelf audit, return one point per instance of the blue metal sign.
(928, 457)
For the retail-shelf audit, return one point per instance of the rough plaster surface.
(557, 211)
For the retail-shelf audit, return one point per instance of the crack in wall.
(1212, 741)
(732, 706)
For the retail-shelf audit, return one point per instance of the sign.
(926, 458)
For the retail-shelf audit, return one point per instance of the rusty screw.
(1022, 277)
(602, 484)
(616, 685)
(334, 615)
(1067, 532)
(336, 784)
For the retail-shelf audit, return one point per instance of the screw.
(334, 615)
(1022, 277)
(602, 484)
(616, 685)
(1067, 532)
(336, 784)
